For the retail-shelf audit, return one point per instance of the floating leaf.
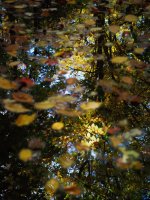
(15, 63)
(131, 18)
(44, 105)
(25, 155)
(66, 160)
(57, 126)
(71, 81)
(127, 79)
(14, 107)
(51, 186)
(73, 189)
(24, 120)
(90, 105)
(114, 28)
(36, 143)
(22, 97)
(139, 50)
(113, 130)
(119, 59)
(82, 147)
(6, 84)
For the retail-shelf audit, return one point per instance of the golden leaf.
(139, 50)
(6, 84)
(57, 126)
(71, 81)
(131, 18)
(82, 146)
(14, 107)
(25, 155)
(24, 120)
(51, 186)
(119, 59)
(90, 105)
(43, 105)
(66, 160)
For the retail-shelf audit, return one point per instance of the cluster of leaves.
(75, 99)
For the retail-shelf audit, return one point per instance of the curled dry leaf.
(25, 155)
(14, 107)
(6, 84)
(119, 59)
(24, 120)
(22, 97)
(90, 105)
(57, 126)
(51, 186)
(73, 189)
(44, 105)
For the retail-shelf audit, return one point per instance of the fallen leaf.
(114, 28)
(51, 186)
(25, 155)
(24, 120)
(14, 107)
(90, 105)
(22, 97)
(71, 81)
(6, 84)
(131, 18)
(57, 126)
(66, 160)
(119, 59)
(73, 189)
(44, 105)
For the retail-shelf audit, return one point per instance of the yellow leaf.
(57, 126)
(90, 105)
(43, 105)
(119, 59)
(51, 186)
(131, 18)
(6, 84)
(139, 50)
(25, 155)
(66, 160)
(14, 107)
(24, 120)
